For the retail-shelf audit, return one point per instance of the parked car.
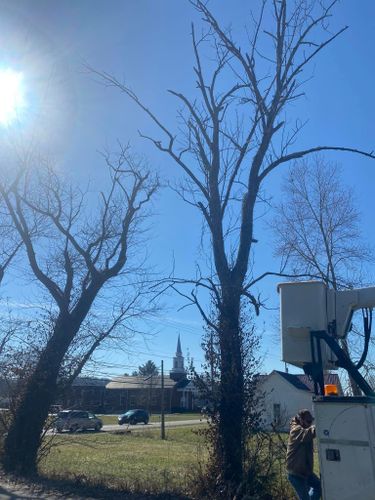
(74, 420)
(134, 417)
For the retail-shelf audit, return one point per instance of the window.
(78, 414)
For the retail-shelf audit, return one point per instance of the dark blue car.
(133, 417)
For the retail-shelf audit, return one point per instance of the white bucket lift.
(305, 307)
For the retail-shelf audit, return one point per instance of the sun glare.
(11, 96)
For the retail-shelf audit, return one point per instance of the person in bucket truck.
(300, 457)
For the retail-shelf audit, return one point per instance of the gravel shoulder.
(12, 488)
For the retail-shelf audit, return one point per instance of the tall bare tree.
(233, 133)
(317, 227)
(74, 250)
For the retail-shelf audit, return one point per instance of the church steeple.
(178, 351)
(178, 371)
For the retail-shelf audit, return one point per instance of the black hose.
(367, 324)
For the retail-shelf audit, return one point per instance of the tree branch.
(301, 154)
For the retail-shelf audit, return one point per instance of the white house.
(285, 394)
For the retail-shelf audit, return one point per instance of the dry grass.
(140, 462)
(132, 462)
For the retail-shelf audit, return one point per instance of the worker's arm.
(303, 435)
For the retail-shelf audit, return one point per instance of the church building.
(123, 393)
(145, 392)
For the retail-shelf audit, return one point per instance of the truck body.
(313, 318)
(345, 428)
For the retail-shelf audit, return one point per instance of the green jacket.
(300, 451)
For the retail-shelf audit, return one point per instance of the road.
(152, 425)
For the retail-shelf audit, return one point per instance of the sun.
(11, 96)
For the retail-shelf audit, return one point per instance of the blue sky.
(71, 117)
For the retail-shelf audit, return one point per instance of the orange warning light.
(331, 390)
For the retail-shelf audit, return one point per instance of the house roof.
(133, 382)
(305, 383)
(329, 378)
(90, 382)
(294, 380)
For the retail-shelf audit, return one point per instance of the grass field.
(127, 461)
(112, 419)
(137, 462)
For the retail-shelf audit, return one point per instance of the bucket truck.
(313, 319)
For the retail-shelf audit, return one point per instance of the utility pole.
(149, 391)
(162, 435)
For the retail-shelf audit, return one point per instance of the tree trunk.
(232, 392)
(24, 436)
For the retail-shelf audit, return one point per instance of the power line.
(178, 325)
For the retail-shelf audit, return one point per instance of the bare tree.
(317, 225)
(233, 133)
(23, 338)
(318, 229)
(15, 358)
(11, 327)
(73, 252)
